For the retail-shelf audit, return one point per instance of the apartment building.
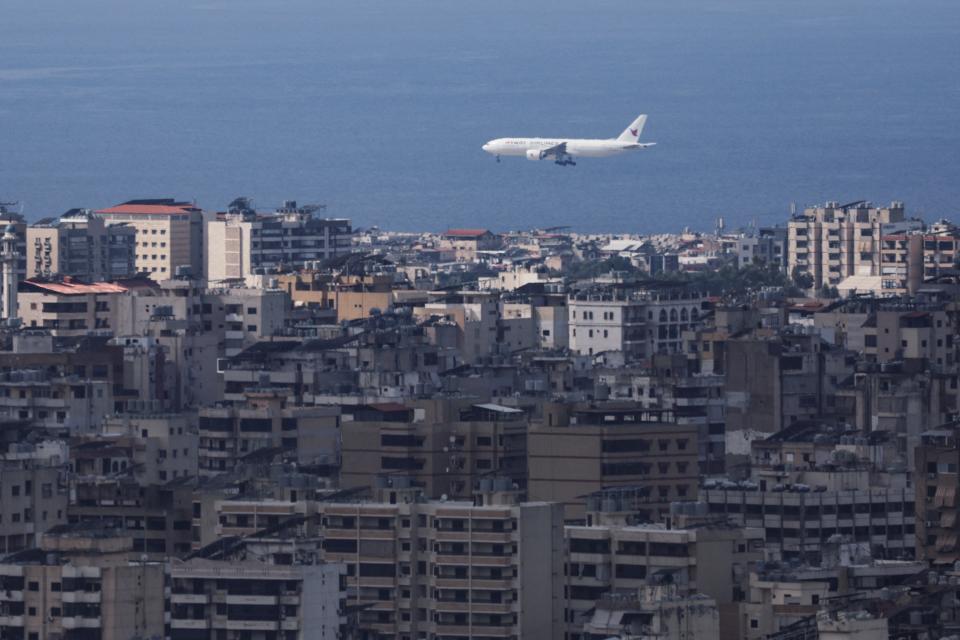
(81, 582)
(607, 319)
(349, 297)
(653, 611)
(694, 399)
(834, 241)
(442, 446)
(476, 317)
(157, 518)
(935, 480)
(69, 307)
(763, 247)
(155, 447)
(241, 599)
(465, 245)
(610, 558)
(792, 389)
(243, 242)
(80, 244)
(638, 322)
(65, 385)
(798, 522)
(310, 435)
(576, 450)
(169, 234)
(908, 260)
(669, 313)
(491, 567)
(33, 493)
(783, 598)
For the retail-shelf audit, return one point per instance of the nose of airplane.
(486, 147)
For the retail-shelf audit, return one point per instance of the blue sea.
(379, 108)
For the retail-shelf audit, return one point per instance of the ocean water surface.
(379, 108)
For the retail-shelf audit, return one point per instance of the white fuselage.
(584, 148)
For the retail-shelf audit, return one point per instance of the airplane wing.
(556, 151)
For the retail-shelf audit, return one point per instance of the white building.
(243, 243)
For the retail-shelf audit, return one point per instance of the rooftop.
(161, 206)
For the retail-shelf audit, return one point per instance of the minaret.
(8, 254)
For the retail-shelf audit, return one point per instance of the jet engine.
(534, 154)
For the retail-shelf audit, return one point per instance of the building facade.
(169, 234)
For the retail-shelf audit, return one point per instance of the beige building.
(165, 444)
(169, 234)
(465, 245)
(613, 557)
(33, 493)
(245, 242)
(910, 259)
(476, 316)
(246, 599)
(81, 245)
(351, 297)
(442, 446)
(311, 435)
(834, 241)
(68, 307)
(579, 450)
(438, 569)
(81, 583)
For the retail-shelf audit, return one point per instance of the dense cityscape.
(268, 424)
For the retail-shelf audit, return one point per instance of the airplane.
(563, 151)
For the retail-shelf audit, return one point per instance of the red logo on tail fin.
(633, 132)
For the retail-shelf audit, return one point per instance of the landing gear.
(565, 161)
(498, 157)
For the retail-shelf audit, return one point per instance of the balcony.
(79, 622)
(184, 623)
(11, 621)
(251, 600)
(252, 625)
(90, 597)
(188, 598)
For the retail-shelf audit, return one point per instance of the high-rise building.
(81, 582)
(488, 568)
(935, 478)
(80, 244)
(442, 446)
(834, 241)
(169, 234)
(244, 242)
(264, 421)
(244, 599)
(33, 494)
(575, 451)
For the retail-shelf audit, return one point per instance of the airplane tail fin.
(632, 133)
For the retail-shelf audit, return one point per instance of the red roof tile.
(148, 209)
(73, 288)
